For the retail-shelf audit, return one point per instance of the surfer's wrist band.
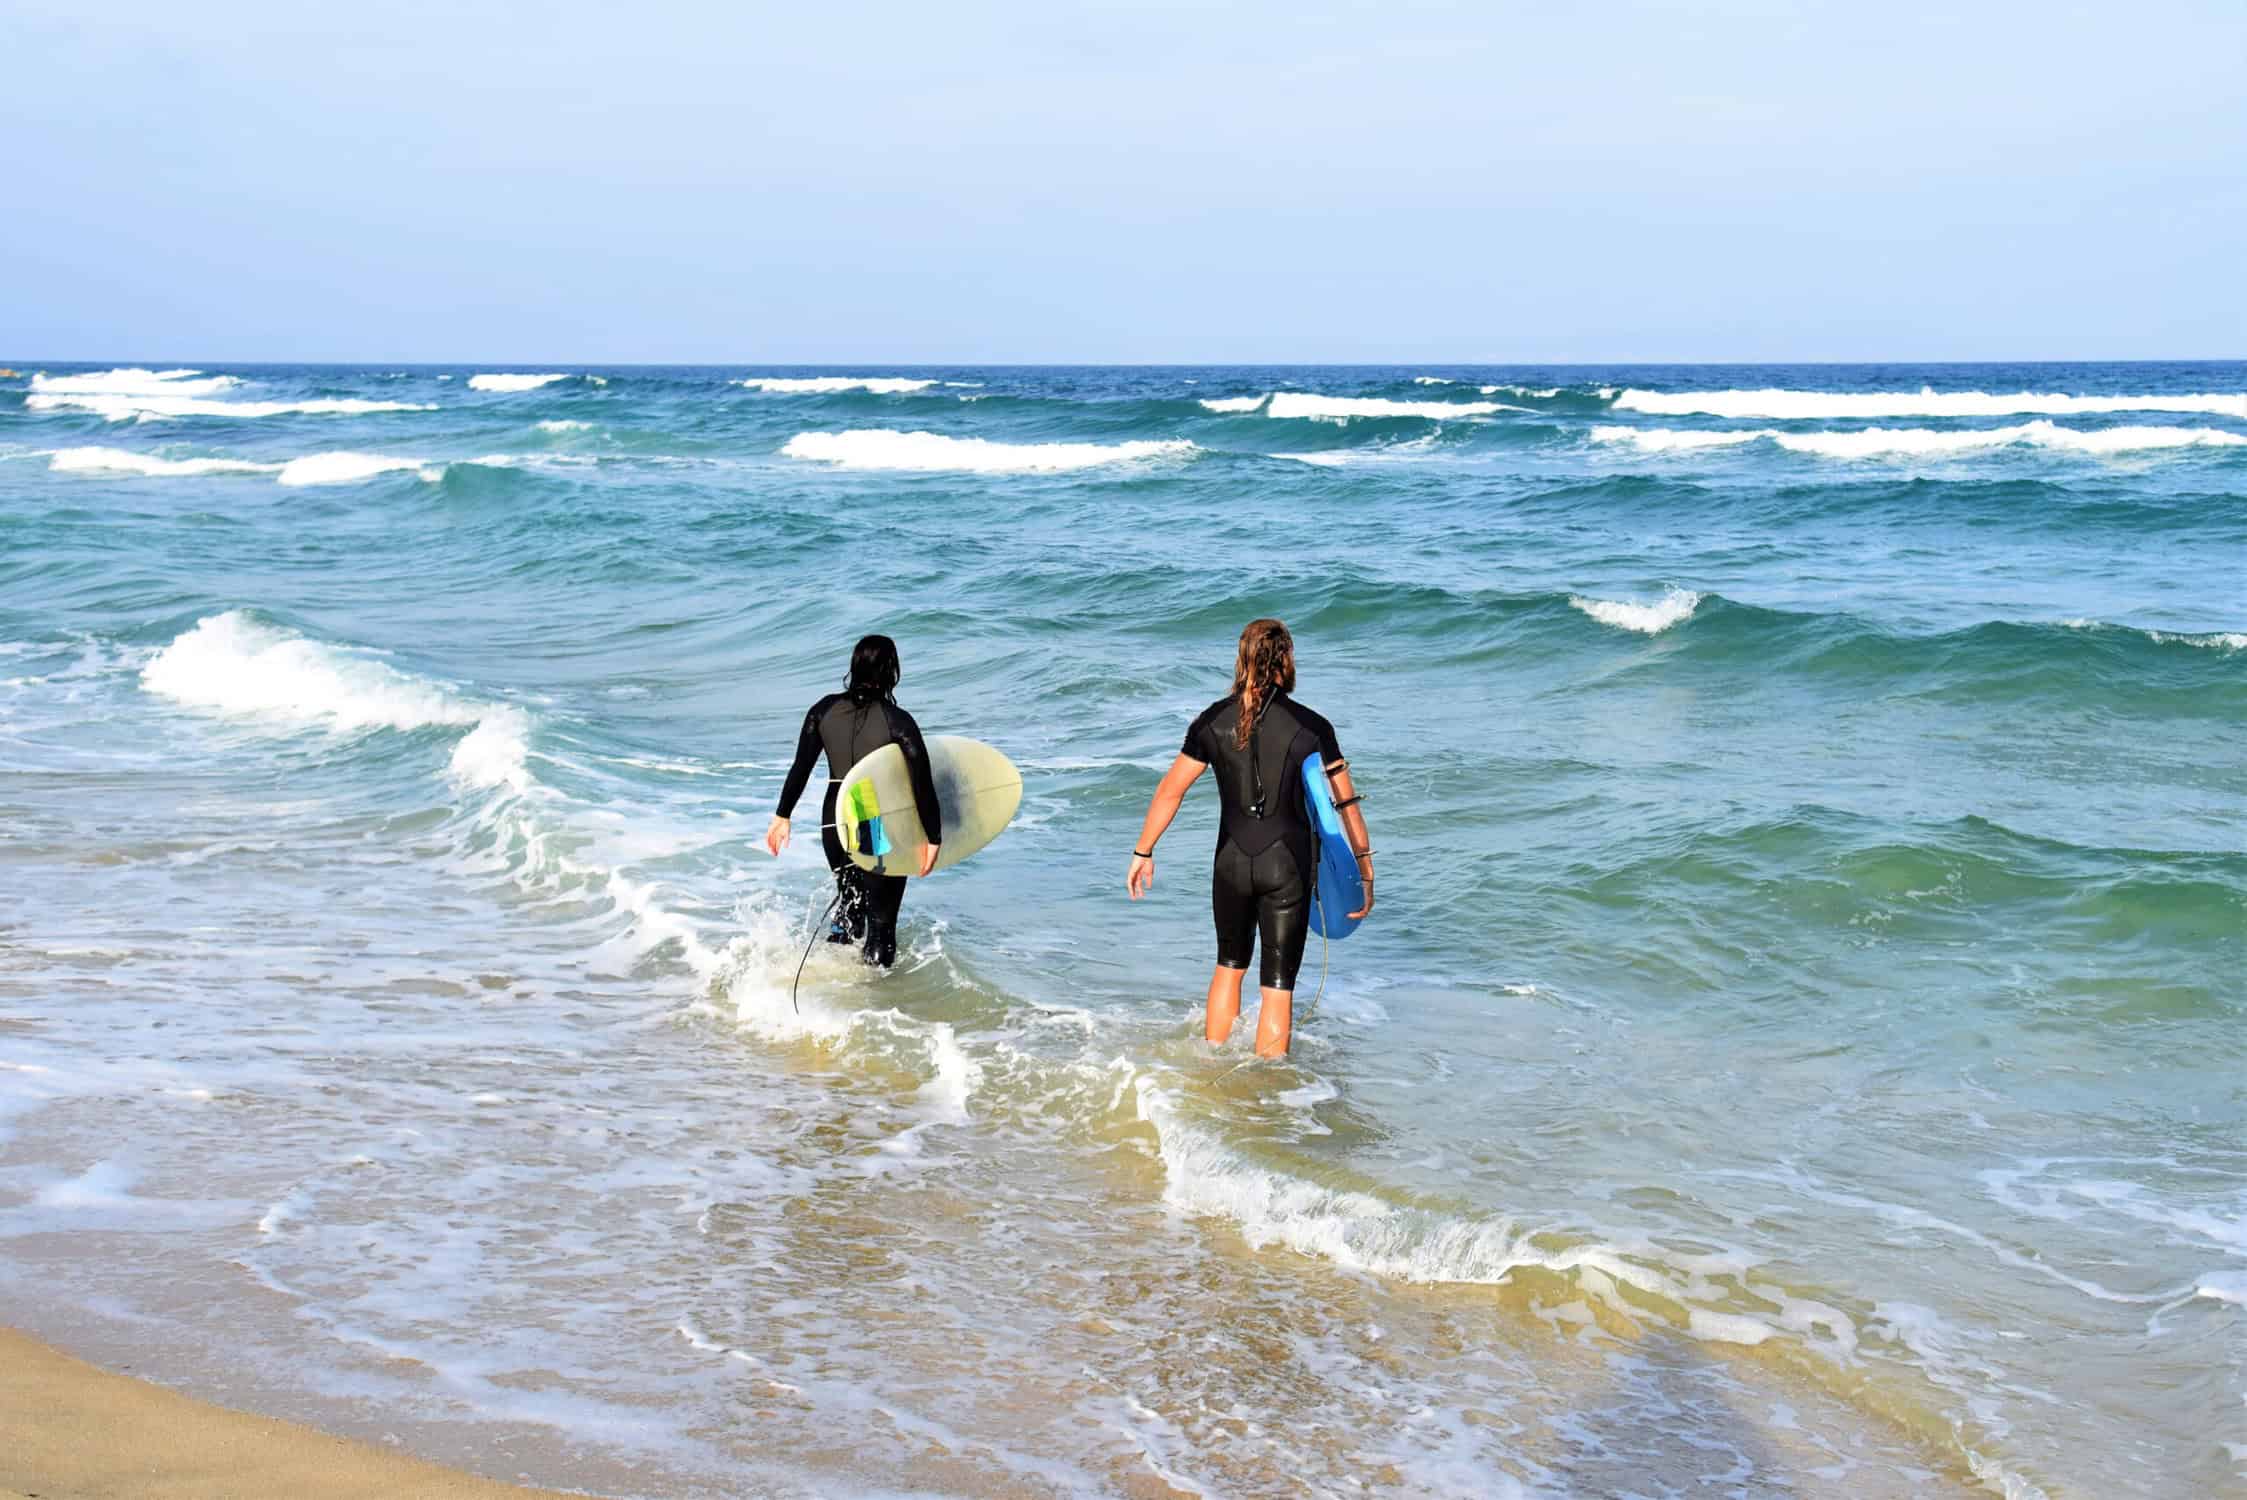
(1142, 854)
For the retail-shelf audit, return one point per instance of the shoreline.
(70, 1430)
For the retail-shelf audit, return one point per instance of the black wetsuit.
(1266, 851)
(849, 729)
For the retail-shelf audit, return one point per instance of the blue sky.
(1151, 182)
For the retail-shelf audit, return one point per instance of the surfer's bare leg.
(1224, 1002)
(1275, 1016)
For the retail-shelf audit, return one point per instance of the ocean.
(1800, 1048)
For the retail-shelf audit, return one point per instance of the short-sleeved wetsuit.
(1265, 846)
(850, 728)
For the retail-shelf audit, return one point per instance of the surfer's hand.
(1141, 877)
(1359, 914)
(928, 857)
(776, 835)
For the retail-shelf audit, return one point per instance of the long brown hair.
(1264, 669)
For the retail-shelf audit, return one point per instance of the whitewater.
(1796, 1050)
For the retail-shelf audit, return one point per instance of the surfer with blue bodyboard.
(1293, 855)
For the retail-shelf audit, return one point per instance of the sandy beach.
(69, 1431)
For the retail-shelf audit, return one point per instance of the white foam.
(2223, 1286)
(1431, 380)
(135, 381)
(1921, 442)
(346, 467)
(563, 426)
(1343, 408)
(105, 1184)
(957, 1075)
(1666, 440)
(823, 385)
(118, 461)
(1234, 403)
(236, 665)
(2216, 640)
(1877, 442)
(883, 448)
(130, 408)
(1786, 405)
(493, 753)
(1539, 393)
(1647, 619)
(1419, 447)
(512, 383)
(2222, 640)
(1359, 1231)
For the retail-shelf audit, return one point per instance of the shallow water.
(1798, 1049)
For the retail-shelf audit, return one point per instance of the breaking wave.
(134, 381)
(1647, 619)
(341, 466)
(827, 385)
(119, 461)
(1918, 442)
(1785, 405)
(153, 408)
(507, 383)
(234, 664)
(347, 468)
(1343, 408)
(932, 452)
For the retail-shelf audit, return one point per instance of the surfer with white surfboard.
(849, 726)
(1293, 854)
(897, 805)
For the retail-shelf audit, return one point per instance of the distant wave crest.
(337, 466)
(347, 468)
(156, 408)
(1343, 408)
(1785, 405)
(510, 383)
(1916, 442)
(933, 452)
(2214, 640)
(828, 385)
(135, 381)
(119, 461)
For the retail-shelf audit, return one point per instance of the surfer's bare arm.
(799, 777)
(1353, 826)
(1164, 806)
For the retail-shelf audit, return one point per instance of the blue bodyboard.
(1340, 889)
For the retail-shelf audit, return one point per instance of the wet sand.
(69, 1431)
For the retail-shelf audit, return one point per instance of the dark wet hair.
(873, 668)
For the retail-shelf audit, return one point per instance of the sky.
(1153, 182)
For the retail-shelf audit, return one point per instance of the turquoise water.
(1798, 1050)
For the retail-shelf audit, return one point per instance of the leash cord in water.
(815, 928)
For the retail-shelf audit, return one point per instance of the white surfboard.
(875, 816)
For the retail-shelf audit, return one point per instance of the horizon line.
(1081, 364)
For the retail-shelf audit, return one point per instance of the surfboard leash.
(824, 919)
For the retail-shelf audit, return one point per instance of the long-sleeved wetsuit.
(1266, 850)
(848, 729)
